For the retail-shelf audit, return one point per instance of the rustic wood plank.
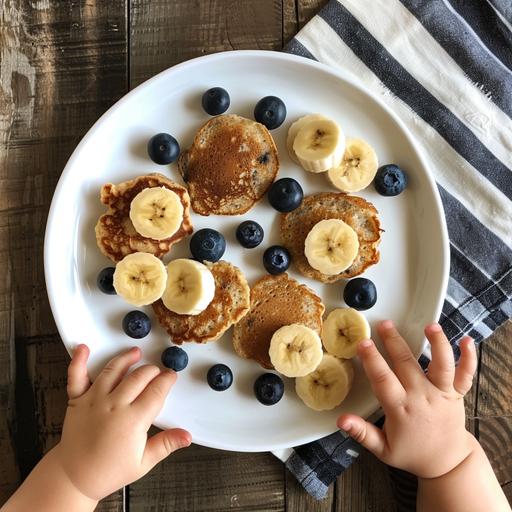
(495, 380)
(290, 19)
(297, 500)
(494, 435)
(307, 9)
(164, 33)
(366, 485)
(63, 64)
(199, 478)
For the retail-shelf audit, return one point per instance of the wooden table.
(63, 63)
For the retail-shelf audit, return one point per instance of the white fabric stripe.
(451, 171)
(475, 36)
(457, 293)
(426, 60)
(483, 330)
(500, 16)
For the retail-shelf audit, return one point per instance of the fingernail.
(470, 344)
(346, 426)
(435, 327)
(366, 343)
(387, 324)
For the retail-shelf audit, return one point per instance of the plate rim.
(51, 224)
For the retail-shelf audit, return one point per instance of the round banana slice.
(342, 331)
(140, 278)
(319, 145)
(190, 287)
(331, 246)
(357, 169)
(328, 385)
(295, 350)
(294, 129)
(156, 213)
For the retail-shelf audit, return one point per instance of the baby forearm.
(471, 486)
(48, 489)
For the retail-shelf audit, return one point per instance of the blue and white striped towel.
(445, 68)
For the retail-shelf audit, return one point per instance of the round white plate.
(411, 277)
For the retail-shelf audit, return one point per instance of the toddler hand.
(424, 430)
(104, 443)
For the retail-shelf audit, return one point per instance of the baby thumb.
(163, 444)
(366, 434)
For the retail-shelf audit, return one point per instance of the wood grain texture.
(495, 382)
(495, 436)
(164, 33)
(207, 480)
(290, 19)
(366, 485)
(306, 9)
(62, 64)
(299, 501)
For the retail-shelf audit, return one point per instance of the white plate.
(411, 277)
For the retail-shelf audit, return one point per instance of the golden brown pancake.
(115, 234)
(230, 165)
(358, 213)
(230, 303)
(275, 301)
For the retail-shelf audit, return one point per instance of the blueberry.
(215, 101)
(207, 245)
(249, 234)
(175, 358)
(285, 195)
(163, 148)
(360, 293)
(270, 111)
(390, 180)
(219, 377)
(269, 388)
(136, 324)
(276, 259)
(105, 281)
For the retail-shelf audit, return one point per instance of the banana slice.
(342, 331)
(294, 129)
(190, 287)
(140, 278)
(295, 350)
(156, 213)
(319, 145)
(357, 169)
(328, 385)
(331, 246)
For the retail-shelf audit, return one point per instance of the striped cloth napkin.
(445, 68)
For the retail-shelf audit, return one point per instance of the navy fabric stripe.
(504, 7)
(482, 241)
(409, 90)
(312, 454)
(297, 48)
(490, 29)
(448, 30)
(464, 271)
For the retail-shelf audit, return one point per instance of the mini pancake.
(115, 234)
(230, 165)
(275, 301)
(230, 303)
(358, 213)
